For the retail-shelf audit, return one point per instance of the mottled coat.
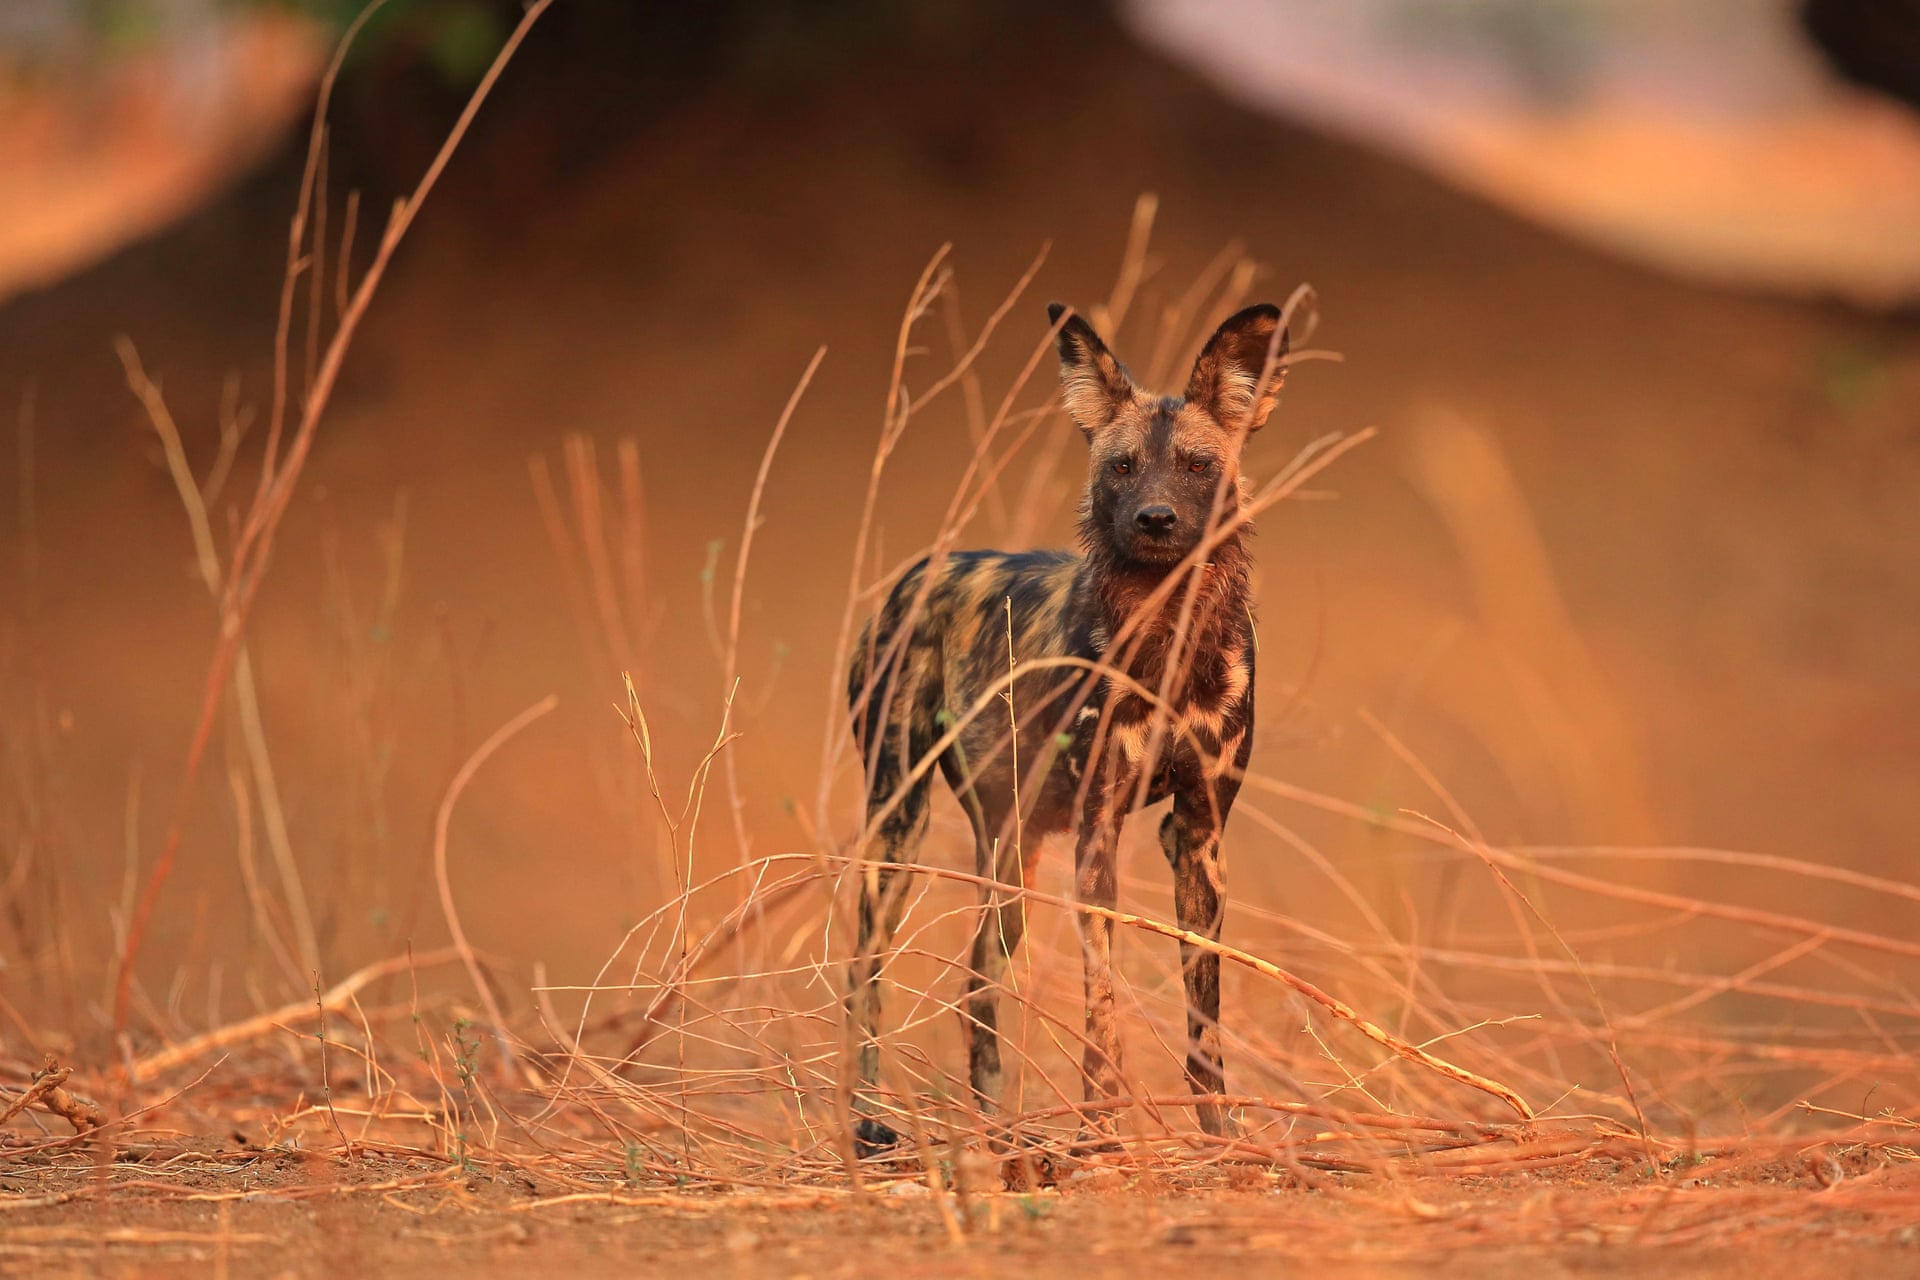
(1130, 666)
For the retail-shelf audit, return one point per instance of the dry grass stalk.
(252, 553)
(195, 500)
(442, 820)
(730, 660)
(1266, 968)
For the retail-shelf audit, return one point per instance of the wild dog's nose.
(1158, 518)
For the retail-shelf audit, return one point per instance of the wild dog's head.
(1158, 462)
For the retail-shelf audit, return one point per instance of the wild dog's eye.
(1123, 466)
(1199, 464)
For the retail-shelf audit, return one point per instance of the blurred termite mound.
(1632, 559)
(101, 153)
(1708, 138)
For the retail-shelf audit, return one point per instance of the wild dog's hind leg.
(1190, 837)
(1003, 922)
(896, 736)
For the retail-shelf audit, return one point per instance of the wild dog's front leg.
(1190, 837)
(1095, 884)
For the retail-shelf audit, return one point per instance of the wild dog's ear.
(1238, 375)
(1093, 384)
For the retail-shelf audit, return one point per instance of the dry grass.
(1407, 1062)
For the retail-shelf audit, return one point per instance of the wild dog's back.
(944, 643)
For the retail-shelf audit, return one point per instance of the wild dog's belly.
(1054, 766)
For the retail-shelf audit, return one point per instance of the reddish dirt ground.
(1103, 1224)
(1630, 562)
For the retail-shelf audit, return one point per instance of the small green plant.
(466, 1052)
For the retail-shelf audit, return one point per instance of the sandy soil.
(1105, 1223)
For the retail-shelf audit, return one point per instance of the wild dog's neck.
(1121, 592)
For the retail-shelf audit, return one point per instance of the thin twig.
(295, 1013)
(441, 821)
(252, 552)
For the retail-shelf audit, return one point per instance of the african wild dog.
(1135, 684)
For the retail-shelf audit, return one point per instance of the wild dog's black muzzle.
(1157, 520)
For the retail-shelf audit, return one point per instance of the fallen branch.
(295, 1013)
(47, 1091)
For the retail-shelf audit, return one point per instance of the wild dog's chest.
(1150, 715)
